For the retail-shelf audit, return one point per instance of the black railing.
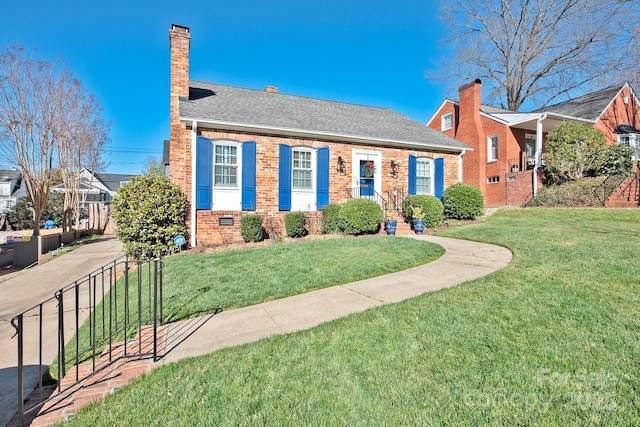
(98, 310)
(365, 192)
(611, 183)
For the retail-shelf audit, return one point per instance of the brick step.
(626, 196)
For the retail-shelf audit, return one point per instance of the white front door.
(366, 173)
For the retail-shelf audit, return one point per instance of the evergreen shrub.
(360, 216)
(462, 201)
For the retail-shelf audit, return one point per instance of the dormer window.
(447, 121)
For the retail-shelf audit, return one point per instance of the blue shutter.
(412, 175)
(322, 182)
(204, 160)
(284, 178)
(439, 178)
(249, 176)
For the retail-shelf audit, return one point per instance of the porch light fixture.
(340, 167)
(394, 167)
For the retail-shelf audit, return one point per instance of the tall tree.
(83, 136)
(44, 111)
(540, 51)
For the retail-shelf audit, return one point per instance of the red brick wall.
(208, 230)
(619, 113)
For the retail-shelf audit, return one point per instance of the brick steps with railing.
(627, 194)
(111, 373)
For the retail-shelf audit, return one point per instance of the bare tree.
(30, 93)
(83, 136)
(45, 116)
(540, 51)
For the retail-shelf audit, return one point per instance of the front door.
(366, 173)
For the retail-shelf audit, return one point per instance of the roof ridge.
(291, 95)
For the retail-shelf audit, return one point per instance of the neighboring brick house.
(235, 151)
(507, 145)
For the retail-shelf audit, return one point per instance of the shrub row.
(364, 216)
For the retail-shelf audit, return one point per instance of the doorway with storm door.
(366, 174)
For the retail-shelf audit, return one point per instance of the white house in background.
(11, 188)
(101, 187)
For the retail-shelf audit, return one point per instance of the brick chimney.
(271, 89)
(179, 148)
(179, 41)
(470, 132)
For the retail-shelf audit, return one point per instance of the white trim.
(437, 113)
(612, 100)
(443, 125)
(490, 147)
(460, 169)
(368, 155)
(233, 126)
(432, 173)
(194, 137)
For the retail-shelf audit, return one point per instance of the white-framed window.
(424, 176)
(530, 149)
(631, 140)
(225, 165)
(492, 148)
(447, 121)
(302, 169)
(493, 179)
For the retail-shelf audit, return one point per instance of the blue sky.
(370, 52)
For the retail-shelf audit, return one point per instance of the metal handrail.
(102, 291)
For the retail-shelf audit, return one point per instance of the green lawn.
(200, 284)
(552, 339)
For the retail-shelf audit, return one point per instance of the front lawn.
(204, 283)
(552, 339)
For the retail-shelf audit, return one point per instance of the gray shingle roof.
(112, 180)
(588, 106)
(228, 104)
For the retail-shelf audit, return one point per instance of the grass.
(552, 339)
(199, 284)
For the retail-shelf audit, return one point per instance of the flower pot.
(390, 226)
(418, 226)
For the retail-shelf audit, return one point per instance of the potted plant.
(391, 222)
(418, 219)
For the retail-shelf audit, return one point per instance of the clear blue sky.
(370, 52)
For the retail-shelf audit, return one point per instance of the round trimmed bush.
(360, 216)
(251, 228)
(331, 219)
(432, 208)
(294, 224)
(462, 201)
(149, 212)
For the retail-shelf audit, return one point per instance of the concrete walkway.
(27, 288)
(462, 261)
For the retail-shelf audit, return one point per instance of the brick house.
(508, 145)
(235, 151)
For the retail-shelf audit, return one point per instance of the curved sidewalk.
(462, 261)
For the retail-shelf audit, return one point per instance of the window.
(530, 149)
(225, 161)
(424, 173)
(302, 169)
(493, 179)
(492, 148)
(447, 121)
(631, 140)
